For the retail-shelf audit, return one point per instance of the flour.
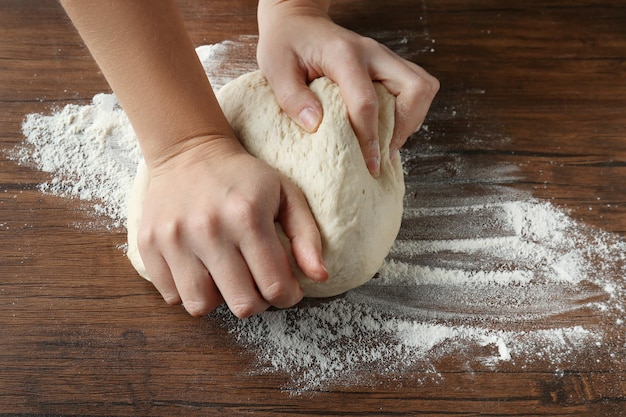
(91, 152)
(412, 313)
(483, 279)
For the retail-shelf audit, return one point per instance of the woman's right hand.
(208, 231)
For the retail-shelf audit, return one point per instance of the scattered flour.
(91, 152)
(484, 279)
(500, 307)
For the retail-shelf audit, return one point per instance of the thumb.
(296, 99)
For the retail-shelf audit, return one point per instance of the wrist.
(178, 126)
(322, 5)
(203, 149)
(268, 9)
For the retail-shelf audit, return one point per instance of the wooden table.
(537, 85)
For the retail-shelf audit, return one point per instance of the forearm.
(145, 54)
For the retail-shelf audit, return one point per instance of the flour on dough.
(358, 215)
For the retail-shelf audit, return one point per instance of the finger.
(234, 281)
(198, 292)
(157, 269)
(299, 226)
(269, 266)
(294, 96)
(177, 273)
(412, 106)
(414, 89)
(361, 102)
(192, 280)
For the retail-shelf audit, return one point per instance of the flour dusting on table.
(481, 278)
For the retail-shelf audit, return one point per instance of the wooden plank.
(535, 90)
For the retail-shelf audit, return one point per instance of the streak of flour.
(481, 278)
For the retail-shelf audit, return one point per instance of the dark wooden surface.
(539, 85)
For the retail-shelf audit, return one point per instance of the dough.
(358, 215)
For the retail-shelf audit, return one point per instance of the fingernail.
(309, 119)
(320, 273)
(373, 165)
(324, 275)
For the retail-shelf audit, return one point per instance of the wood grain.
(540, 86)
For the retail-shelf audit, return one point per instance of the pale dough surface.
(358, 216)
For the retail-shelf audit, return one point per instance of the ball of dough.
(358, 215)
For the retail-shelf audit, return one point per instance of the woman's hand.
(208, 234)
(207, 231)
(298, 43)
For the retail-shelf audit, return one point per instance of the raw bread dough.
(358, 215)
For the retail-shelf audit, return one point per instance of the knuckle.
(206, 225)
(197, 308)
(245, 211)
(287, 98)
(146, 239)
(170, 296)
(426, 86)
(343, 48)
(244, 308)
(434, 84)
(145, 233)
(277, 294)
(369, 43)
(152, 236)
(418, 87)
(367, 104)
